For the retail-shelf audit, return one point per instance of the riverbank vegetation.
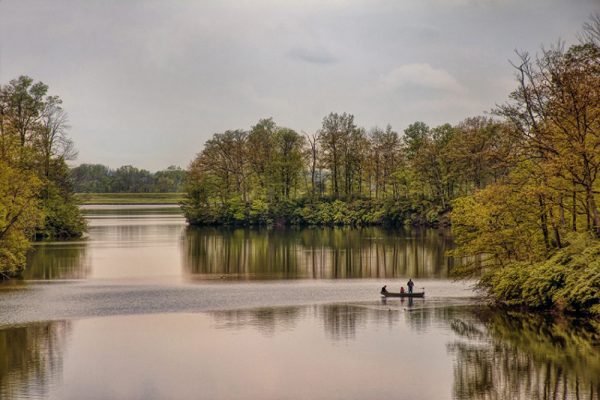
(534, 234)
(98, 178)
(36, 197)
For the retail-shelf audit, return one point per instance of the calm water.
(148, 308)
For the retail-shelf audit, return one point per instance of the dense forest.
(343, 174)
(520, 186)
(36, 196)
(98, 178)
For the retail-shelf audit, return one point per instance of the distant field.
(130, 198)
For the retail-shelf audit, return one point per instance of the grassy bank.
(130, 198)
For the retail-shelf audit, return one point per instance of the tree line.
(98, 178)
(36, 196)
(343, 174)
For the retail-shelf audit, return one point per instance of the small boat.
(405, 294)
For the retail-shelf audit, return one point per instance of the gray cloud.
(146, 82)
(420, 75)
(312, 56)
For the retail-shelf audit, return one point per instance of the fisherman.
(383, 289)
(410, 285)
(401, 289)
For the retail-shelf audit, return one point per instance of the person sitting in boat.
(410, 285)
(384, 289)
(401, 289)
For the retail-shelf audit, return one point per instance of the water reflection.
(327, 253)
(512, 356)
(340, 321)
(493, 355)
(122, 242)
(267, 320)
(31, 358)
(66, 260)
(142, 242)
(498, 355)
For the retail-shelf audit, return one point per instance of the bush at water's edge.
(327, 212)
(568, 281)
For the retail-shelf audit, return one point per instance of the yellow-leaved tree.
(20, 213)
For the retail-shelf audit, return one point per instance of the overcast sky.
(148, 82)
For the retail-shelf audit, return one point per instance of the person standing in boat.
(410, 285)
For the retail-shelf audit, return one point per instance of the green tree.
(23, 105)
(171, 179)
(288, 162)
(261, 141)
(433, 163)
(130, 179)
(385, 158)
(516, 229)
(555, 116)
(20, 214)
(33, 139)
(414, 137)
(91, 178)
(334, 138)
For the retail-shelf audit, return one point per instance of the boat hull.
(403, 295)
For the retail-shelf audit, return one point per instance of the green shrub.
(259, 213)
(569, 280)
(306, 211)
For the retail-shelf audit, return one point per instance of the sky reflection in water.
(322, 351)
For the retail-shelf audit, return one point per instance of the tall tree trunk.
(313, 180)
(574, 211)
(555, 229)
(544, 220)
(2, 137)
(377, 178)
(593, 211)
(335, 178)
(561, 210)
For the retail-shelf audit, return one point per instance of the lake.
(146, 307)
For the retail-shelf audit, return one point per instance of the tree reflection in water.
(267, 320)
(509, 355)
(373, 252)
(498, 355)
(57, 260)
(522, 356)
(30, 358)
(340, 321)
